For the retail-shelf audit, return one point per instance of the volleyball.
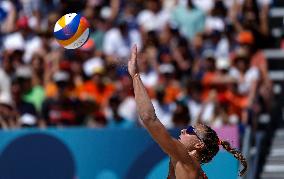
(71, 31)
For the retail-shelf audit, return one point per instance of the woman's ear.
(199, 145)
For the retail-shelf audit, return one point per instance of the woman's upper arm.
(169, 145)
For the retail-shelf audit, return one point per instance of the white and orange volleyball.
(72, 31)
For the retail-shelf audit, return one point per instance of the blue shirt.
(189, 21)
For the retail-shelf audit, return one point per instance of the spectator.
(216, 19)
(37, 64)
(182, 57)
(6, 72)
(33, 94)
(181, 116)
(163, 110)
(218, 43)
(149, 75)
(258, 60)
(247, 78)
(169, 82)
(221, 117)
(130, 13)
(98, 88)
(153, 17)
(210, 73)
(95, 116)
(62, 109)
(205, 5)
(194, 101)
(254, 20)
(189, 19)
(118, 41)
(25, 111)
(115, 120)
(127, 107)
(23, 40)
(98, 35)
(8, 117)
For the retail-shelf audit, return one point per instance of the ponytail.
(212, 143)
(226, 145)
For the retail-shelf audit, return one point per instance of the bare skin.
(183, 151)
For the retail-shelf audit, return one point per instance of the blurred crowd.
(200, 60)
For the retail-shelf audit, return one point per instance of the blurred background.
(218, 62)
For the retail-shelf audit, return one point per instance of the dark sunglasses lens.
(190, 130)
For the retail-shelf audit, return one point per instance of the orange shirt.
(206, 82)
(171, 93)
(236, 102)
(51, 90)
(89, 90)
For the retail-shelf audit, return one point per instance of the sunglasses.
(191, 131)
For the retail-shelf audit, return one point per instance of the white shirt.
(127, 109)
(114, 44)
(214, 23)
(250, 76)
(164, 117)
(150, 21)
(5, 87)
(222, 48)
(16, 41)
(149, 79)
(195, 109)
(169, 5)
(205, 5)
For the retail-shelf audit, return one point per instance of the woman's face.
(190, 140)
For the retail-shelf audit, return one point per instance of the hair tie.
(219, 142)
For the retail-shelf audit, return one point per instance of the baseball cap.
(93, 66)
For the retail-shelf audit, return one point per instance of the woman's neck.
(194, 155)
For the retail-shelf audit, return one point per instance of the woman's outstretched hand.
(132, 63)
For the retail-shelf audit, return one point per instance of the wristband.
(136, 75)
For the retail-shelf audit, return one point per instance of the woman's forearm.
(144, 105)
